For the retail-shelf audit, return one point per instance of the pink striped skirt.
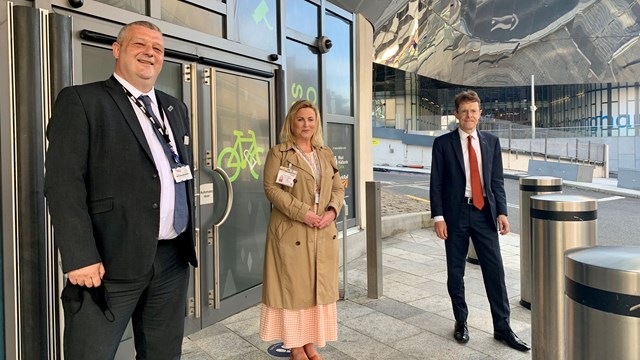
(297, 328)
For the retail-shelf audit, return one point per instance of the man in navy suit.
(468, 200)
(120, 194)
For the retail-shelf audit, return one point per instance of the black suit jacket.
(448, 176)
(101, 183)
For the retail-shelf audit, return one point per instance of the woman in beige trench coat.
(300, 288)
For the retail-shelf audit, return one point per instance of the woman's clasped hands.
(319, 221)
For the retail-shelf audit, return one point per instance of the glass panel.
(98, 64)
(170, 79)
(340, 140)
(137, 6)
(242, 106)
(302, 72)
(183, 14)
(302, 16)
(256, 24)
(338, 66)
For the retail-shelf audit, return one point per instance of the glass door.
(240, 124)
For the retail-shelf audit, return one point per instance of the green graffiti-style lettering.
(296, 91)
(312, 94)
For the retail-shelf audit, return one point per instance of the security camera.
(324, 44)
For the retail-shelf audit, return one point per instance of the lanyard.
(158, 125)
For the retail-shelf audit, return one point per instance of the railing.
(571, 143)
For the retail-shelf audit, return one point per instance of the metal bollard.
(531, 186)
(374, 240)
(558, 223)
(345, 212)
(602, 300)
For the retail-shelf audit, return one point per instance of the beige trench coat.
(300, 269)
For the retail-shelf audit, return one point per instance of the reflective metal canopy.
(504, 42)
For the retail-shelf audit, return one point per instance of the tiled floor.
(413, 320)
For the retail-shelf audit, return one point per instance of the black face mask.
(75, 295)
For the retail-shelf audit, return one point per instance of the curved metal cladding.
(504, 42)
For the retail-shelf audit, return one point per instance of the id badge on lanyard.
(181, 173)
(286, 176)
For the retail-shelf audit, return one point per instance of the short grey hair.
(143, 23)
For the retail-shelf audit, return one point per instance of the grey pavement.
(412, 320)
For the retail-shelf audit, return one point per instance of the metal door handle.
(229, 204)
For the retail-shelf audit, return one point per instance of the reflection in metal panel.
(504, 42)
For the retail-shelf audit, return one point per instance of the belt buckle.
(469, 200)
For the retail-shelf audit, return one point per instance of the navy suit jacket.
(448, 176)
(101, 183)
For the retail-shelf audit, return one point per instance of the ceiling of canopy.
(504, 42)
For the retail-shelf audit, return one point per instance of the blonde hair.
(286, 134)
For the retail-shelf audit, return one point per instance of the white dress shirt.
(167, 183)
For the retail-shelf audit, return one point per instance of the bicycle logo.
(237, 157)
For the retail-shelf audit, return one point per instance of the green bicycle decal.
(237, 157)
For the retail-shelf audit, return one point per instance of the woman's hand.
(327, 218)
(311, 218)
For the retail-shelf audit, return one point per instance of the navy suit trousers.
(476, 224)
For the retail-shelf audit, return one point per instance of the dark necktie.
(180, 210)
(476, 185)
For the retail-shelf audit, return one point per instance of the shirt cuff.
(438, 218)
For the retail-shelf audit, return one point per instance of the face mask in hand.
(73, 297)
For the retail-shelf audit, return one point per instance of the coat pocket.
(101, 205)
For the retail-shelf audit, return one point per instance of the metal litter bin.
(558, 223)
(602, 302)
(531, 186)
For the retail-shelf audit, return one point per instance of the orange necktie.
(476, 185)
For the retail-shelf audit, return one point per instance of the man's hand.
(441, 229)
(89, 276)
(503, 224)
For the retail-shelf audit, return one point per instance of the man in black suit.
(468, 200)
(120, 194)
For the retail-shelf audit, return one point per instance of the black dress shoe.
(460, 332)
(510, 338)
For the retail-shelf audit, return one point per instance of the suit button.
(155, 206)
(297, 242)
(334, 237)
(295, 181)
(155, 176)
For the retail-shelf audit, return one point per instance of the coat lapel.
(294, 159)
(326, 186)
(457, 148)
(122, 101)
(487, 156)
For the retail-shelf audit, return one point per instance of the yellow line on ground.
(416, 198)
